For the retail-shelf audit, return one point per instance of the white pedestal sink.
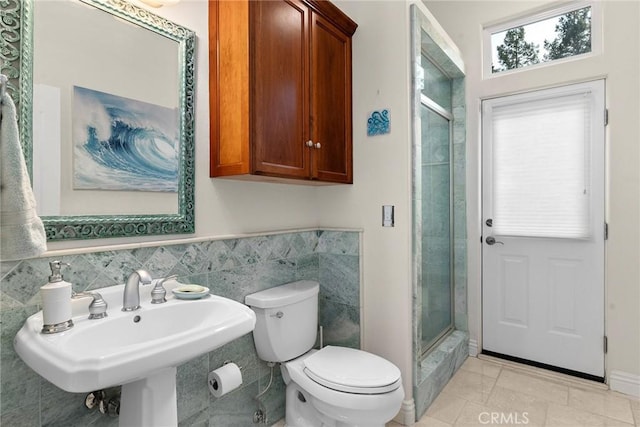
(139, 350)
(151, 401)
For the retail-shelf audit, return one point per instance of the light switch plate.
(388, 215)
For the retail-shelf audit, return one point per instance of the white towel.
(21, 230)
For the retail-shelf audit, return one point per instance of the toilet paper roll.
(224, 379)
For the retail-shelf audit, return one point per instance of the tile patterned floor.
(490, 392)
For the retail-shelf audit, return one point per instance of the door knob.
(318, 146)
(309, 143)
(492, 241)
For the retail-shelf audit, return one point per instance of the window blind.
(541, 167)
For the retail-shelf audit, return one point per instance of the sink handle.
(97, 308)
(158, 293)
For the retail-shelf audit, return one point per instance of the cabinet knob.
(317, 145)
(309, 143)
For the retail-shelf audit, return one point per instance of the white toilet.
(334, 386)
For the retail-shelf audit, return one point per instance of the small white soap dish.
(190, 291)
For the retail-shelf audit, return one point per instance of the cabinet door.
(331, 102)
(280, 85)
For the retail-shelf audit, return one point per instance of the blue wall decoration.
(379, 123)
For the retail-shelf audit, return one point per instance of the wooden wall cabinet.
(280, 90)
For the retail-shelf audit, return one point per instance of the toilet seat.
(352, 371)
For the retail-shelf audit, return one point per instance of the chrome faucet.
(131, 299)
(158, 293)
(98, 306)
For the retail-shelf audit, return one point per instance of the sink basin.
(130, 347)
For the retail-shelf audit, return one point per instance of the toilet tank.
(286, 320)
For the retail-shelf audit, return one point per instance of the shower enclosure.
(439, 213)
(435, 173)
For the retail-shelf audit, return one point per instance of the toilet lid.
(352, 371)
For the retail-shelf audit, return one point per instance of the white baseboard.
(473, 348)
(624, 382)
(407, 414)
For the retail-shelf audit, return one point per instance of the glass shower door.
(437, 295)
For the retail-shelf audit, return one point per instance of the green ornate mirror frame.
(16, 62)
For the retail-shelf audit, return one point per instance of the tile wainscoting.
(231, 267)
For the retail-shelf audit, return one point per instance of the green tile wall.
(231, 268)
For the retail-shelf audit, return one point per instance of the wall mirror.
(105, 93)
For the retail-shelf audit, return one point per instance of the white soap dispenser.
(56, 301)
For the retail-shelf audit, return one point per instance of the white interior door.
(543, 227)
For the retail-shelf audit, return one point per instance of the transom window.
(552, 35)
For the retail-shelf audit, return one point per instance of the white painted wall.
(619, 63)
(382, 165)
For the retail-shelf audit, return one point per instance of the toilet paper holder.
(214, 384)
(226, 362)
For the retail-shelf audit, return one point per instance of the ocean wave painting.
(123, 144)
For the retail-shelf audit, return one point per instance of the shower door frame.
(442, 112)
